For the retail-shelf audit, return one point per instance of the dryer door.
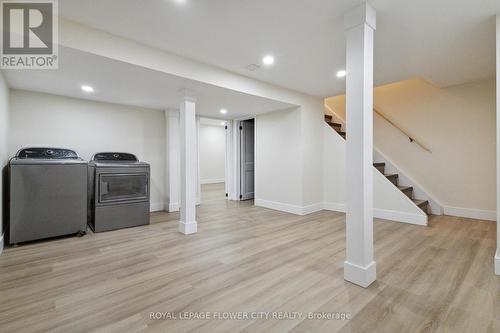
(125, 187)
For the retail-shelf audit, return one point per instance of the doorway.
(212, 147)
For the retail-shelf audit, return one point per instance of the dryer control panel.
(115, 157)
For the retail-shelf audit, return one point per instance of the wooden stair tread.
(407, 190)
(334, 124)
(419, 202)
(380, 166)
(393, 178)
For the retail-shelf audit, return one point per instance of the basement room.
(249, 166)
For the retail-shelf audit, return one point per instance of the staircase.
(393, 178)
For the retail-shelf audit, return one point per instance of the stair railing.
(410, 137)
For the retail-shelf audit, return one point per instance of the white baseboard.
(312, 208)
(1, 244)
(335, 206)
(416, 218)
(288, 208)
(283, 207)
(497, 262)
(188, 228)
(362, 276)
(479, 214)
(212, 181)
(156, 207)
(411, 218)
(173, 207)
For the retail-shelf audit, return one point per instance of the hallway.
(212, 193)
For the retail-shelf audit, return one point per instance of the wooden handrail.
(411, 138)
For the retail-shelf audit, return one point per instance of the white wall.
(90, 127)
(278, 181)
(457, 124)
(304, 188)
(4, 153)
(312, 122)
(388, 201)
(212, 153)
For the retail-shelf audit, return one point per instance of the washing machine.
(48, 194)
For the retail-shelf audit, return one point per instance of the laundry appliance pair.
(54, 192)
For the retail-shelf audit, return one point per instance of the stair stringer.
(435, 207)
(389, 202)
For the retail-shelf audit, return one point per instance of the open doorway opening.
(226, 159)
(212, 149)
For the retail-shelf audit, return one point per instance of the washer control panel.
(47, 153)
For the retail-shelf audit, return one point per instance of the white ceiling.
(446, 41)
(122, 83)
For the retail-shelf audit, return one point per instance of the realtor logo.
(29, 34)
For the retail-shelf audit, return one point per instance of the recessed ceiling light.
(223, 111)
(223, 123)
(268, 60)
(87, 89)
(341, 73)
(180, 1)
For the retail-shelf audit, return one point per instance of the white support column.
(198, 175)
(173, 168)
(188, 224)
(497, 255)
(359, 267)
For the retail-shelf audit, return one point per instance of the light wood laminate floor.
(246, 258)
